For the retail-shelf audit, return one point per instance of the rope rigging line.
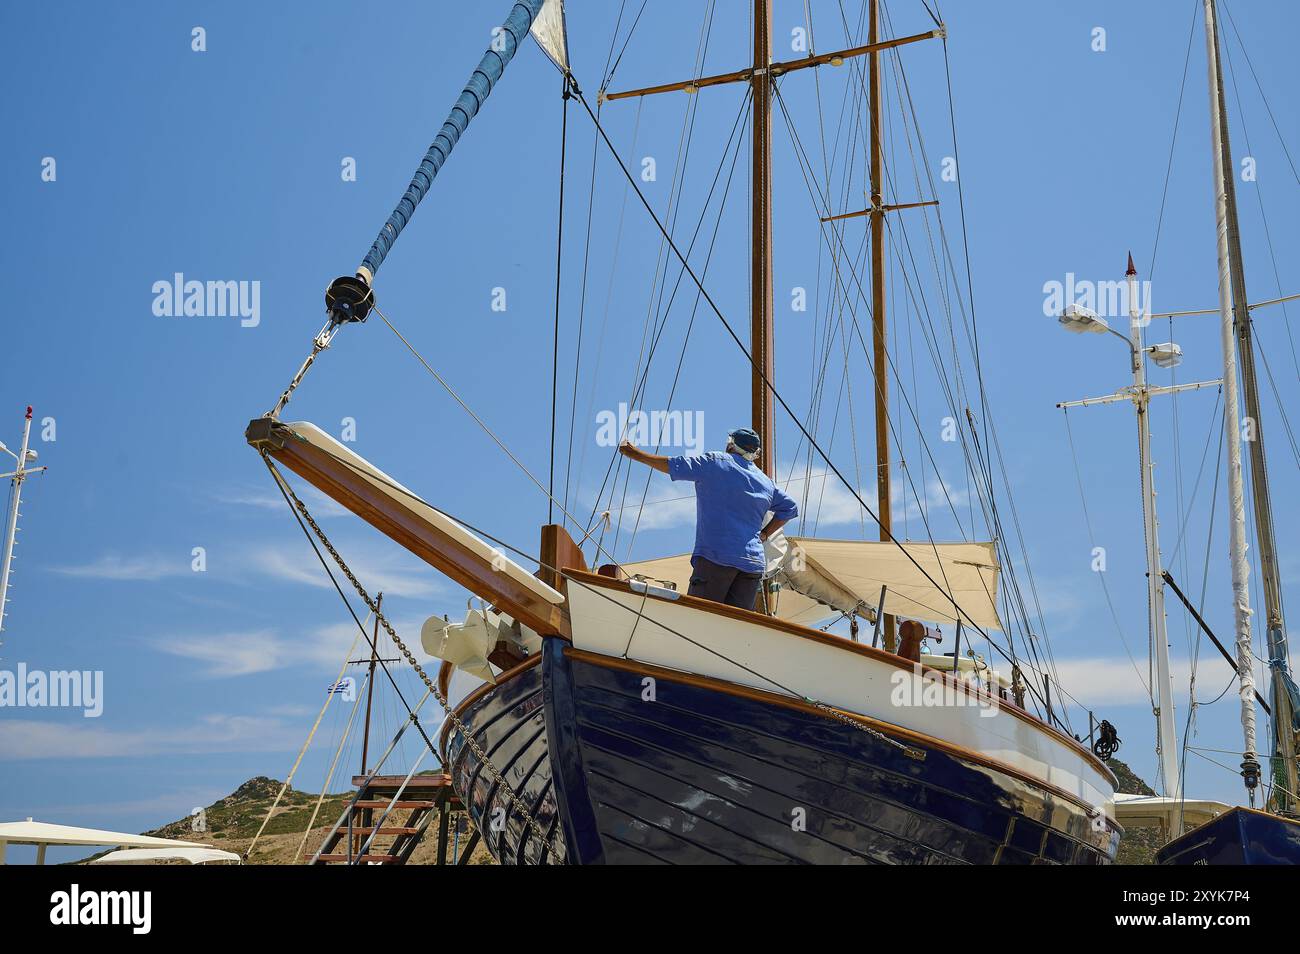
(609, 301)
(477, 420)
(559, 256)
(1173, 139)
(1092, 542)
(582, 314)
(1263, 98)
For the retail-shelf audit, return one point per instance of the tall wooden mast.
(760, 306)
(879, 340)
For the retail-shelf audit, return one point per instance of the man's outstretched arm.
(657, 461)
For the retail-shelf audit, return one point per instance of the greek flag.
(347, 688)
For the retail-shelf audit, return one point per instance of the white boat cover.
(411, 502)
(43, 833)
(148, 856)
(822, 577)
(1149, 811)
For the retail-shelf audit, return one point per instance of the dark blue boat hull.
(1237, 837)
(623, 767)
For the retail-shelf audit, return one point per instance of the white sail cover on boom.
(551, 35)
(820, 578)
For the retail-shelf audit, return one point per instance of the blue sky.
(226, 165)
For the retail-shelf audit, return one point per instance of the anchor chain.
(910, 751)
(456, 722)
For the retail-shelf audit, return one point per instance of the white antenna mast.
(11, 522)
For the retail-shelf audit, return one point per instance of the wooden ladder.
(423, 797)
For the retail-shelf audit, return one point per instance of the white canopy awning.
(1149, 811)
(146, 856)
(921, 580)
(43, 834)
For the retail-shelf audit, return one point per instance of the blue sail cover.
(476, 91)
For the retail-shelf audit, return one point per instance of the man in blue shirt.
(732, 501)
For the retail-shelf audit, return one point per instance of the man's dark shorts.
(723, 584)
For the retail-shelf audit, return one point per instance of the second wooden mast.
(879, 340)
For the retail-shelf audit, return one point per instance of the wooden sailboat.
(615, 720)
(1246, 835)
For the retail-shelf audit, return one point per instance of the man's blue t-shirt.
(732, 497)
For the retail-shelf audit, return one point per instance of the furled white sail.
(819, 578)
(550, 33)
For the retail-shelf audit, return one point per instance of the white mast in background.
(11, 522)
(1232, 422)
(1078, 319)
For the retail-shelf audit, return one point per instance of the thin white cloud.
(661, 512)
(24, 739)
(317, 502)
(231, 655)
(1115, 680)
(389, 571)
(112, 566)
(831, 504)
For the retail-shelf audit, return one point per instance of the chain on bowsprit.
(456, 722)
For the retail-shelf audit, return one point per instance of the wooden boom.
(433, 537)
